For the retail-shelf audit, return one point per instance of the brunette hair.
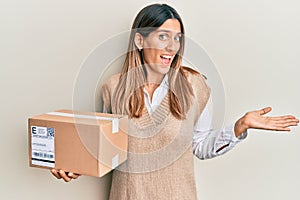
(129, 94)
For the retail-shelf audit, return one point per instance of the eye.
(178, 38)
(163, 37)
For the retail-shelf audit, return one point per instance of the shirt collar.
(165, 81)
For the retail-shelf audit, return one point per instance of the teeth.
(166, 57)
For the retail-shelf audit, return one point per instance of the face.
(160, 47)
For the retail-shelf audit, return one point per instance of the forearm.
(211, 143)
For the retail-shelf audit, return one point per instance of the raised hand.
(257, 120)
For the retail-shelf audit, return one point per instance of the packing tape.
(115, 161)
(114, 120)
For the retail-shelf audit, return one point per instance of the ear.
(139, 41)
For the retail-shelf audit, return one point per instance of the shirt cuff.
(234, 138)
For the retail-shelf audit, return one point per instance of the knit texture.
(160, 155)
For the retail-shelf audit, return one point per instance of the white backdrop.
(254, 45)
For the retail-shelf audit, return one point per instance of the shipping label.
(42, 145)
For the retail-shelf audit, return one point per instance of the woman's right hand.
(67, 176)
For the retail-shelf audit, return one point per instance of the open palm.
(257, 120)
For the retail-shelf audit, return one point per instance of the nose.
(172, 46)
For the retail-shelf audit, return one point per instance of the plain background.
(254, 44)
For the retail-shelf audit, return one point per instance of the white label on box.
(42, 146)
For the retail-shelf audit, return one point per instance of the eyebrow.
(167, 31)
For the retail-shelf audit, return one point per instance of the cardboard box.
(86, 143)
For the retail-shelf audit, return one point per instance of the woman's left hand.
(257, 120)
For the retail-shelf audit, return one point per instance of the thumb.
(265, 110)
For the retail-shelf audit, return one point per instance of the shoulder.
(113, 79)
(193, 75)
(200, 88)
(111, 82)
(197, 81)
(108, 88)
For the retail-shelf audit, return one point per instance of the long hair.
(128, 97)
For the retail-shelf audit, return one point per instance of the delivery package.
(87, 143)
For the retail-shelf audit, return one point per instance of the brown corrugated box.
(81, 142)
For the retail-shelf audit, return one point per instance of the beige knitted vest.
(160, 155)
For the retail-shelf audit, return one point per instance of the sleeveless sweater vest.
(160, 155)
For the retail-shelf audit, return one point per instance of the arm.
(208, 143)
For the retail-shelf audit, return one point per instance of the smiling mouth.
(166, 59)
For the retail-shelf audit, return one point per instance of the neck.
(150, 88)
(155, 80)
(153, 77)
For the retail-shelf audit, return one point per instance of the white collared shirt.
(207, 143)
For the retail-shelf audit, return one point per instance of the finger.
(287, 122)
(278, 127)
(284, 126)
(73, 175)
(64, 176)
(55, 173)
(265, 110)
(284, 117)
(283, 129)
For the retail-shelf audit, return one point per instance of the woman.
(167, 105)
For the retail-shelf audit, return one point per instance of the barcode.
(50, 132)
(43, 155)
